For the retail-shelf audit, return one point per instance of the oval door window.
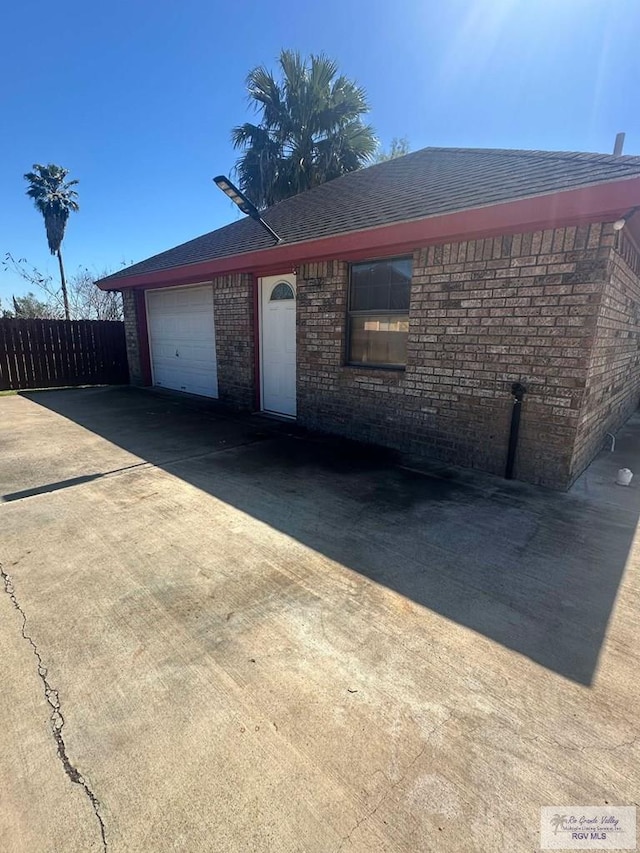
(282, 290)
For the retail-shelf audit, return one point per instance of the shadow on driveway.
(532, 569)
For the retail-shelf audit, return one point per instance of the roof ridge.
(541, 153)
(533, 154)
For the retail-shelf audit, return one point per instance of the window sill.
(356, 376)
(388, 368)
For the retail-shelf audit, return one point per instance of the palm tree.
(55, 200)
(558, 821)
(310, 129)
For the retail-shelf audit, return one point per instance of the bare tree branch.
(86, 301)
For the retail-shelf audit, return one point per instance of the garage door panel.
(182, 339)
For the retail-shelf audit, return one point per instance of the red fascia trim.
(143, 337)
(587, 204)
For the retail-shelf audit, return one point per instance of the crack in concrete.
(382, 799)
(393, 785)
(56, 719)
(626, 743)
(590, 747)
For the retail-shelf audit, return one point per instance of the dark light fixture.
(240, 199)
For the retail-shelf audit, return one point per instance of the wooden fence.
(55, 353)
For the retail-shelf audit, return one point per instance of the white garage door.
(182, 339)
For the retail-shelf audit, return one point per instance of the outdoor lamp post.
(240, 199)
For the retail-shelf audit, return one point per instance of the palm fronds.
(310, 129)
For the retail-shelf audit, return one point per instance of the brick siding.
(612, 389)
(234, 324)
(483, 314)
(131, 336)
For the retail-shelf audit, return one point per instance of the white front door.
(182, 339)
(278, 344)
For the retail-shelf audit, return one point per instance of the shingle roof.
(425, 183)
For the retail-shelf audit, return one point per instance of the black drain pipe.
(518, 390)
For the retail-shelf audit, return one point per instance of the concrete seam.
(56, 718)
(116, 472)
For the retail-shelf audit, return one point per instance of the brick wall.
(234, 324)
(612, 388)
(483, 314)
(557, 310)
(131, 336)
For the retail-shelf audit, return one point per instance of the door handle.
(177, 354)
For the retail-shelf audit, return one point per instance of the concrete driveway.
(220, 635)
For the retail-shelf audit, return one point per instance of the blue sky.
(137, 98)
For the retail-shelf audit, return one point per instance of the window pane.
(379, 339)
(381, 286)
(282, 290)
